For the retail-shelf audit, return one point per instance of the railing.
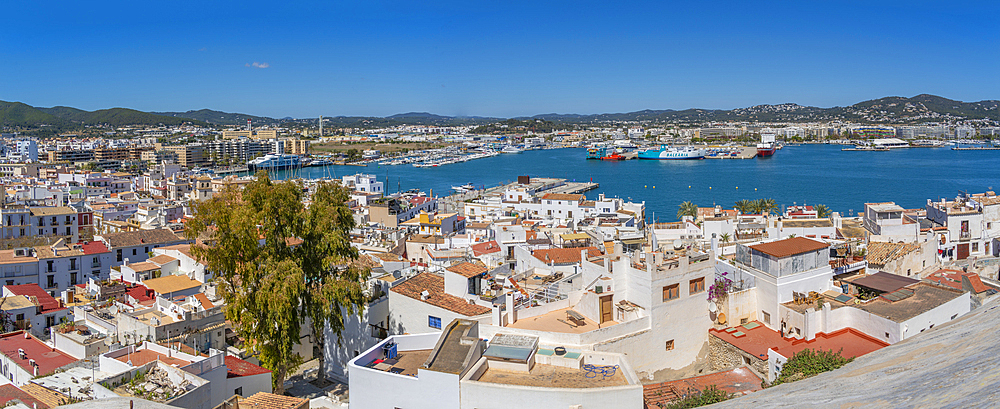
(965, 235)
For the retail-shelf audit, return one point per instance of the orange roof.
(758, 339)
(789, 247)
(144, 356)
(954, 279)
(467, 269)
(264, 400)
(563, 196)
(434, 285)
(564, 255)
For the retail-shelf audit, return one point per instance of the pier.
(746, 152)
(977, 148)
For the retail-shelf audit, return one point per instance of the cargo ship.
(766, 147)
(665, 152)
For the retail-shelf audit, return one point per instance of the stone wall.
(724, 355)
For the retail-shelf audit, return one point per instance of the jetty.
(976, 148)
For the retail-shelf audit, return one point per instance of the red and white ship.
(766, 147)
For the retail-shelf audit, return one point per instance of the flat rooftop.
(925, 298)
(558, 321)
(553, 377)
(405, 363)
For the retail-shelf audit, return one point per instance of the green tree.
(304, 267)
(725, 238)
(695, 398)
(767, 206)
(744, 206)
(822, 211)
(687, 209)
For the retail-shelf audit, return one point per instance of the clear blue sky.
(491, 58)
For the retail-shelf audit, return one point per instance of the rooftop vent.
(20, 353)
(425, 295)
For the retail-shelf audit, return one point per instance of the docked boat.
(464, 188)
(595, 153)
(665, 152)
(766, 147)
(613, 156)
(510, 149)
(275, 162)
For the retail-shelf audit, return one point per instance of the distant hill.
(888, 110)
(17, 114)
(221, 118)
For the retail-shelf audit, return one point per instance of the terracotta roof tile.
(138, 238)
(467, 269)
(47, 302)
(264, 400)
(564, 255)
(237, 367)
(488, 247)
(434, 285)
(879, 253)
(9, 392)
(789, 247)
(47, 396)
(563, 196)
(47, 359)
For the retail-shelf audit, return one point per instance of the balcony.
(965, 235)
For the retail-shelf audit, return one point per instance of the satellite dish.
(678, 244)
(722, 318)
(712, 307)
(113, 309)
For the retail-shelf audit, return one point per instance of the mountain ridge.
(885, 110)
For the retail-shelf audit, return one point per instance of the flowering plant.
(721, 288)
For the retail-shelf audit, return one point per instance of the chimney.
(715, 245)
(424, 295)
(35, 370)
(20, 353)
(650, 258)
(511, 318)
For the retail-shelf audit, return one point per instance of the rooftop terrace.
(559, 321)
(551, 376)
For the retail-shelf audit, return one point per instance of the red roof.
(758, 340)
(48, 303)
(140, 293)
(144, 356)
(238, 367)
(485, 248)
(94, 247)
(48, 359)
(740, 381)
(419, 200)
(9, 392)
(953, 279)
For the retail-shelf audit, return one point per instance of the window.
(907, 272)
(886, 335)
(697, 285)
(50, 269)
(670, 345)
(744, 320)
(147, 249)
(954, 316)
(133, 252)
(671, 292)
(119, 254)
(569, 214)
(746, 360)
(767, 317)
(433, 322)
(50, 281)
(975, 246)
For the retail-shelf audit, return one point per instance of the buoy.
(754, 189)
(709, 188)
(654, 187)
(689, 186)
(644, 186)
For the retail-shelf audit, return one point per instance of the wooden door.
(962, 251)
(607, 313)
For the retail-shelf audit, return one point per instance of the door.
(962, 251)
(606, 310)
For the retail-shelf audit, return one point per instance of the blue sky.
(492, 58)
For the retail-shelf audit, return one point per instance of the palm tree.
(687, 209)
(822, 211)
(768, 205)
(743, 206)
(725, 238)
(756, 206)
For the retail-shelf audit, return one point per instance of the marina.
(811, 173)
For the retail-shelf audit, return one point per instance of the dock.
(977, 148)
(746, 152)
(572, 188)
(227, 171)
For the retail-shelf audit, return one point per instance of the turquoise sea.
(810, 174)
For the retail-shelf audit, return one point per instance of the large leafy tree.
(280, 264)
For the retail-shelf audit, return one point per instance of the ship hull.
(765, 152)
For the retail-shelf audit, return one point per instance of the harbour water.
(810, 174)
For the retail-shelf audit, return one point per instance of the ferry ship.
(766, 147)
(665, 152)
(275, 162)
(595, 153)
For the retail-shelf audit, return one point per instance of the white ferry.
(665, 152)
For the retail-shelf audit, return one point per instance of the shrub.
(695, 398)
(808, 362)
